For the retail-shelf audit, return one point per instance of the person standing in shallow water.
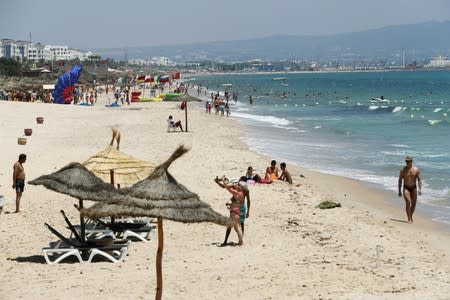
(19, 179)
(409, 176)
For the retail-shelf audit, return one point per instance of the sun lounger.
(126, 228)
(115, 251)
(130, 230)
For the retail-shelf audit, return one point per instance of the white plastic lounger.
(117, 255)
(115, 252)
(66, 253)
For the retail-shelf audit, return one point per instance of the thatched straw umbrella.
(116, 167)
(184, 100)
(160, 196)
(77, 181)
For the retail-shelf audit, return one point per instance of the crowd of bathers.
(220, 104)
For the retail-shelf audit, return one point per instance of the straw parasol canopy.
(161, 196)
(185, 98)
(127, 169)
(78, 182)
(188, 98)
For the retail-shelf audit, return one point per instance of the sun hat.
(408, 158)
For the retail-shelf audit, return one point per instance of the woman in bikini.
(234, 206)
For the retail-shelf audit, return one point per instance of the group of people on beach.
(221, 106)
(409, 185)
(239, 205)
(27, 96)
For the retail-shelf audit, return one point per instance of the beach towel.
(265, 181)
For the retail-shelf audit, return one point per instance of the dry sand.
(292, 250)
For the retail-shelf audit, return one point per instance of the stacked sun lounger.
(108, 248)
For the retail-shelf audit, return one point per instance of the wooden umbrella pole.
(186, 115)
(82, 225)
(159, 254)
(111, 177)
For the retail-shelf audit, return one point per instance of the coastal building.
(9, 48)
(36, 52)
(155, 60)
(24, 50)
(55, 52)
(162, 61)
(439, 62)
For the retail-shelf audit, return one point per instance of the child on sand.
(285, 175)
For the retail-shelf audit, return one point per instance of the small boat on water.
(227, 84)
(380, 100)
(279, 78)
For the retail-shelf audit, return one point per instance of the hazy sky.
(112, 23)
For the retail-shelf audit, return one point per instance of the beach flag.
(141, 79)
(176, 75)
(164, 79)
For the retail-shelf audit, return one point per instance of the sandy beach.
(292, 250)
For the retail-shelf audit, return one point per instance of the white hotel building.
(439, 62)
(21, 50)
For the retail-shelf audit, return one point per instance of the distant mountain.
(419, 41)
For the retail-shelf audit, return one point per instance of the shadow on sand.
(397, 220)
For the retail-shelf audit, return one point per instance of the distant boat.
(227, 84)
(284, 83)
(279, 78)
(380, 100)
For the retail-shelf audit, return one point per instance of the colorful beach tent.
(65, 86)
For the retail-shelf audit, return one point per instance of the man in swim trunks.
(409, 175)
(234, 206)
(245, 208)
(19, 179)
(272, 171)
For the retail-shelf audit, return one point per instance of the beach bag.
(2, 201)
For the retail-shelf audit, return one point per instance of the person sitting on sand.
(172, 124)
(285, 175)
(249, 176)
(234, 206)
(272, 171)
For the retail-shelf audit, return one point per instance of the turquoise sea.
(325, 121)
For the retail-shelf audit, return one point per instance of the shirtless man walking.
(19, 179)
(409, 175)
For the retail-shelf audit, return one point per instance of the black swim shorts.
(20, 185)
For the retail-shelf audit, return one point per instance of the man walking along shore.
(409, 175)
